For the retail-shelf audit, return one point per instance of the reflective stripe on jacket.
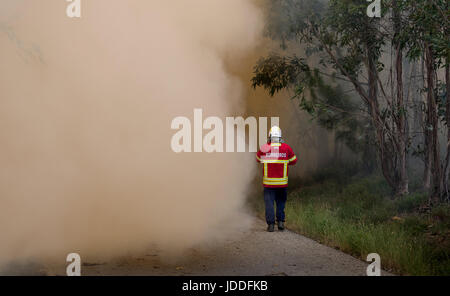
(276, 157)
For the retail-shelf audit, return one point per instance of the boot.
(280, 225)
(271, 227)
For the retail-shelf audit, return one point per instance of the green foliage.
(276, 73)
(411, 202)
(428, 22)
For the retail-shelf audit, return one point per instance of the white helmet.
(275, 132)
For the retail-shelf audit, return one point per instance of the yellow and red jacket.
(276, 158)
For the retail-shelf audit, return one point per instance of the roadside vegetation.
(357, 215)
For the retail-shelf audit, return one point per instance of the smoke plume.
(85, 112)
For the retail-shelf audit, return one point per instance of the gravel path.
(251, 252)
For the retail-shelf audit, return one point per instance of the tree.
(428, 22)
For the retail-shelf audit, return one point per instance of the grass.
(358, 216)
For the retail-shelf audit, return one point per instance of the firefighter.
(276, 157)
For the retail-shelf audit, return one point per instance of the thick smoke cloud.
(85, 112)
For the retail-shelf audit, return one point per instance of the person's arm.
(292, 157)
(258, 156)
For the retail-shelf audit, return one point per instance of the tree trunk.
(402, 187)
(427, 136)
(433, 120)
(445, 181)
(400, 118)
(385, 152)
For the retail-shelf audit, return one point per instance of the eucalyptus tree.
(426, 37)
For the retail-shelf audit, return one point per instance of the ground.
(250, 252)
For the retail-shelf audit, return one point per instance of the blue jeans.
(279, 196)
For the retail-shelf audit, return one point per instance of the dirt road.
(251, 252)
